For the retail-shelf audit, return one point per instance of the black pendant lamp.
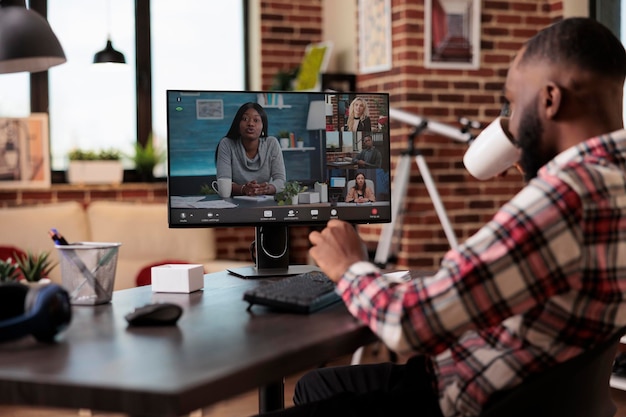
(27, 42)
(109, 55)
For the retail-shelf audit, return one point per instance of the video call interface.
(328, 142)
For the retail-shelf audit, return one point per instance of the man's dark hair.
(580, 42)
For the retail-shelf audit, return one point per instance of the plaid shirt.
(542, 282)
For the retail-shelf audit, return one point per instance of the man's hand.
(336, 248)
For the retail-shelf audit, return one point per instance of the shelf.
(272, 101)
(284, 106)
(306, 148)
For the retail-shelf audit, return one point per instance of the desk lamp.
(27, 42)
(316, 120)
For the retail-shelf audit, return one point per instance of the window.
(92, 106)
(14, 95)
(196, 44)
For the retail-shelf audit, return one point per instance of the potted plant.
(283, 137)
(283, 80)
(300, 142)
(146, 158)
(35, 267)
(95, 167)
(289, 195)
(9, 270)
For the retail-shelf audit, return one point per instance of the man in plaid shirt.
(541, 283)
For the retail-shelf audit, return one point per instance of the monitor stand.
(272, 255)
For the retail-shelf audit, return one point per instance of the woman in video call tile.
(253, 160)
(360, 193)
(358, 116)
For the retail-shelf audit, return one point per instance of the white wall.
(573, 8)
(339, 25)
(254, 42)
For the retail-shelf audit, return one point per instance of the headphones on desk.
(42, 311)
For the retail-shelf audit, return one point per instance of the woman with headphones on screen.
(253, 160)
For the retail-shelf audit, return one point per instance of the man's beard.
(534, 155)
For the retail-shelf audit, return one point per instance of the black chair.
(576, 388)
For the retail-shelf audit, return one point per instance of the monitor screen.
(253, 145)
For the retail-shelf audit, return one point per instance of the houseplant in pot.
(289, 195)
(146, 158)
(283, 138)
(9, 270)
(95, 167)
(34, 267)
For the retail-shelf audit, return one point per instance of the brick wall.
(444, 96)
(440, 95)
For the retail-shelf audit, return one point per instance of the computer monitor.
(311, 132)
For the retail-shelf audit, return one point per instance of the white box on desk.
(322, 189)
(182, 278)
(308, 197)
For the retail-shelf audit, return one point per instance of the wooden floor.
(243, 405)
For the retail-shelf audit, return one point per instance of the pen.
(57, 237)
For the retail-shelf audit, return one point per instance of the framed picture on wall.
(209, 109)
(374, 36)
(24, 152)
(452, 34)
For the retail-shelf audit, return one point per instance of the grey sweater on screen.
(267, 166)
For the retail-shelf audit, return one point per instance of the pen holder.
(88, 271)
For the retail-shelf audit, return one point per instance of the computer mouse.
(155, 314)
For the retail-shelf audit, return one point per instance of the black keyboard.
(303, 293)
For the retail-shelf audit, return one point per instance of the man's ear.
(551, 97)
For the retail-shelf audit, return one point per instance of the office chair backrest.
(577, 388)
(368, 183)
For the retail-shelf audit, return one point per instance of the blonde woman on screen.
(358, 116)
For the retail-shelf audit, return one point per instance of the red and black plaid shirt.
(543, 281)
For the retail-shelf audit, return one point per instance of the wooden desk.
(217, 350)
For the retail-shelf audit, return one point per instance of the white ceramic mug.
(223, 186)
(492, 152)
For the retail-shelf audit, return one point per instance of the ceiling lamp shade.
(27, 42)
(109, 55)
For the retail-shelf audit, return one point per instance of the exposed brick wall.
(441, 95)
(132, 192)
(445, 95)
(287, 27)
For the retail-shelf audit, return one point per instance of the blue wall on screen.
(192, 141)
